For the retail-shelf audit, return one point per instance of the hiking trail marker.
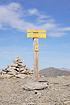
(35, 34)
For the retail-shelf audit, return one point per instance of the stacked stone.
(16, 68)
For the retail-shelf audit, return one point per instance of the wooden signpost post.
(35, 34)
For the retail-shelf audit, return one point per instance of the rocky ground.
(18, 87)
(13, 93)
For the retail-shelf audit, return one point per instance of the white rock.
(20, 76)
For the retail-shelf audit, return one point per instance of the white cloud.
(13, 15)
(65, 29)
(33, 11)
(10, 15)
(40, 17)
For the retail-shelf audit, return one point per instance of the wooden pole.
(36, 52)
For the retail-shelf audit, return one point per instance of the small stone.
(67, 103)
(35, 92)
(20, 76)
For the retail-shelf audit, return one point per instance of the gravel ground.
(57, 93)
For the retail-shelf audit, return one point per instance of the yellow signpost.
(35, 34)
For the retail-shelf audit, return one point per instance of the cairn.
(16, 68)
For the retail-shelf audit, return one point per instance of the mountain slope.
(53, 72)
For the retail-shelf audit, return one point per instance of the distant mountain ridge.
(54, 72)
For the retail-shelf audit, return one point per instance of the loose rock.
(17, 69)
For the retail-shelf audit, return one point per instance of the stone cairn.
(17, 69)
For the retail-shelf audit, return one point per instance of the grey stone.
(30, 86)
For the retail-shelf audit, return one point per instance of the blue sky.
(16, 16)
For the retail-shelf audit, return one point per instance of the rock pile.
(17, 68)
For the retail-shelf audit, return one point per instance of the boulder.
(30, 86)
